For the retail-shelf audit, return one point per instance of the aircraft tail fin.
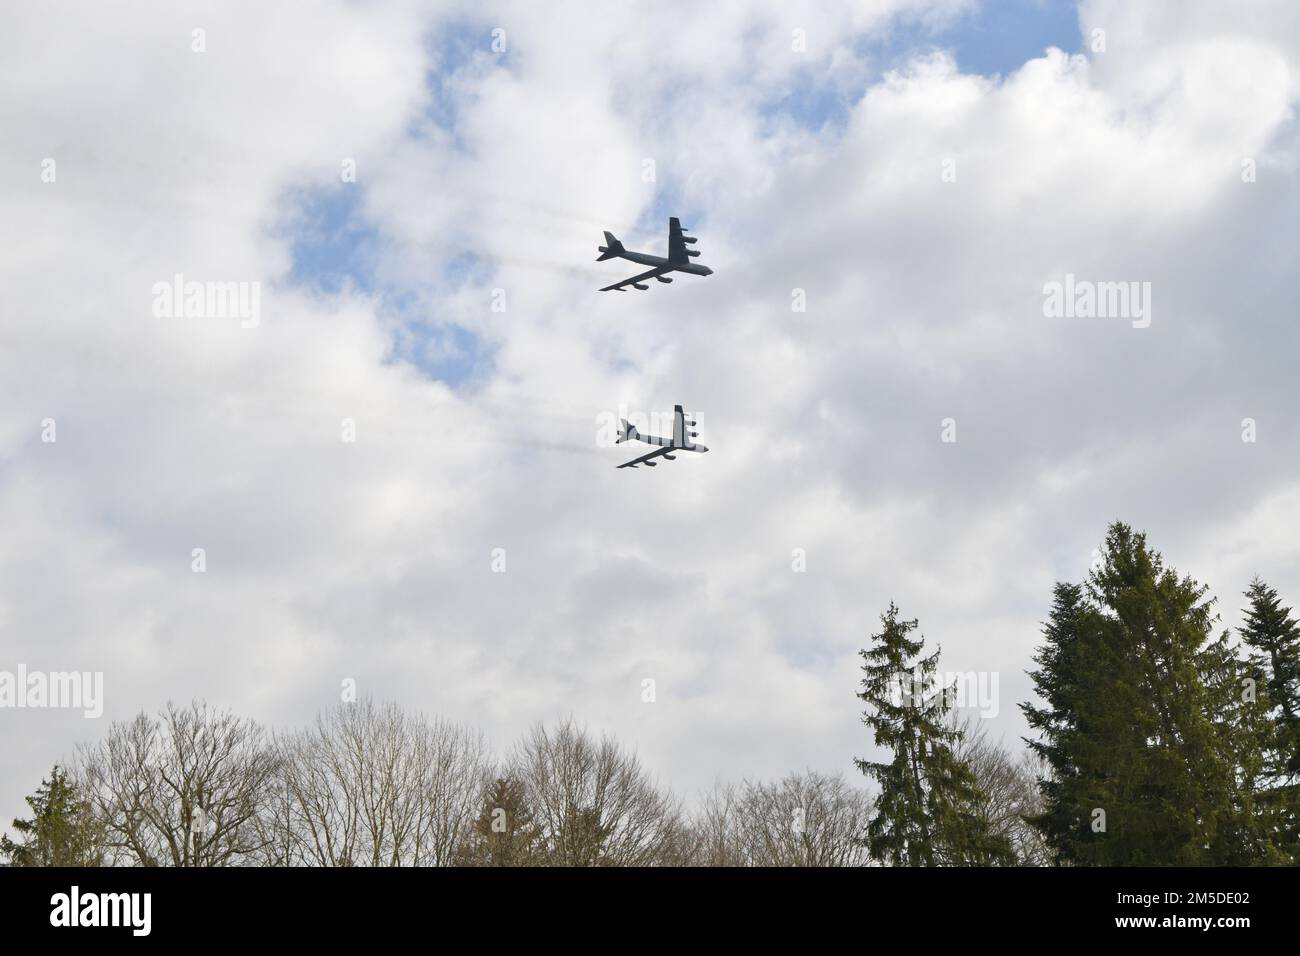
(626, 431)
(611, 249)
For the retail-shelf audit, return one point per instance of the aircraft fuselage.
(659, 262)
(683, 445)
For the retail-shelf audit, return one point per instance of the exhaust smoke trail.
(567, 215)
(542, 266)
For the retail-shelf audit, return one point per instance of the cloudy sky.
(916, 172)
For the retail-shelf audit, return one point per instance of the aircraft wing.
(645, 459)
(620, 286)
(677, 242)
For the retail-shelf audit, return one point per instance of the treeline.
(374, 785)
(1154, 742)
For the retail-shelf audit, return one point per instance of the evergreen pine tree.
(1134, 724)
(505, 833)
(63, 830)
(1240, 709)
(925, 813)
(1272, 637)
(1060, 681)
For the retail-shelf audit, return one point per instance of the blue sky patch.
(334, 244)
(997, 37)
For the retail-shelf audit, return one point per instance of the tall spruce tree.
(1061, 681)
(505, 833)
(927, 811)
(1272, 637)
(1249, 835)
(1143, 763)
(63, 830)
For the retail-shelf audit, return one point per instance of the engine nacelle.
(689, 240)
(637, 285)
(692, 253)
(663, 279)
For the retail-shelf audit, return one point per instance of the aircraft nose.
(701, 448)
(708, 271)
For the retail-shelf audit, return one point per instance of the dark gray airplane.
(679, 259)
(681, 440)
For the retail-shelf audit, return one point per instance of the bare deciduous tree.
(183, 789)
(373, 786)
(594, 804)
(808, 819)
(1009, 786)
